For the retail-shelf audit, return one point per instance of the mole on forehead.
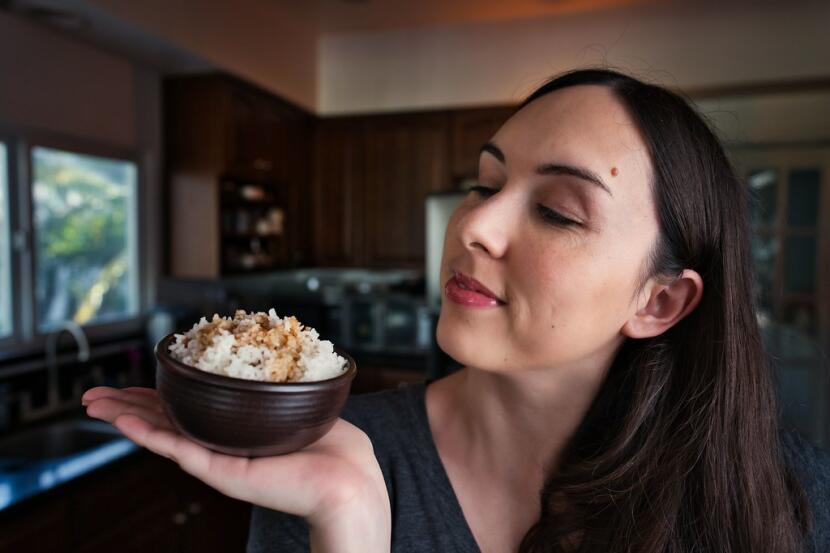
(614, 171)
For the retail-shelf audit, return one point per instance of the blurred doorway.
(790, 233)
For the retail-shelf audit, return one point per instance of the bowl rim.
(163, 356)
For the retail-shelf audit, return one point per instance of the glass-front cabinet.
(789, 208)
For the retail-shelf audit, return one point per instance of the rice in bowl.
(258, 346)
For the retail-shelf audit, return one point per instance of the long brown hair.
(680, 452)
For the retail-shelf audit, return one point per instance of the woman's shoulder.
(389, 415)
(807, 459)
(811, 465)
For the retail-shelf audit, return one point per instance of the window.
(5, 257)
(789, 220)
(85, 243)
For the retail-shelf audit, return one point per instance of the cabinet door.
(407, 157)
(42, 528)
(254, 135)
(156, 527)
(339, 161)
(215, 523)
(471, 129)
(300, 195)
(121, 492)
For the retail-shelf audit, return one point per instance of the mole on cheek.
(614, 171)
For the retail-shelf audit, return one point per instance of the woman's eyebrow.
(578, 172)
(493, 150)
(553, 168)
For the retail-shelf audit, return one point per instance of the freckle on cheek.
(614, 171)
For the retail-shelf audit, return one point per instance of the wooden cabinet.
(142, 503)
(407, 157)
(372, 175)
(375, 379)
(220, 130)
(340, 189)
(470, 130)
(351, 190)
(37, 529)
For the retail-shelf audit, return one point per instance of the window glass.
(86, 255)
(763, 188)
(800, 264)
(803, 197)
(5, 253)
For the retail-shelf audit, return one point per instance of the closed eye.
(484, 191)
(547, 214)
(554, 217)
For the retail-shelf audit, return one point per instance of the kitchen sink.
(60, 439)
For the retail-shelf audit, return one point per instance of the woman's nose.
(483, 228)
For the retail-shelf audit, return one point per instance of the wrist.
(361, 522)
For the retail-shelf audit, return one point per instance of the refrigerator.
(439, 208)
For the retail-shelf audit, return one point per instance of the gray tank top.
(426, 515)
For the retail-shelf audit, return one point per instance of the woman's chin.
(464, 343)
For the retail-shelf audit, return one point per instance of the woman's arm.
(335, 483)
(360, 525)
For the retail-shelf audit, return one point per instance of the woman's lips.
(465, 291)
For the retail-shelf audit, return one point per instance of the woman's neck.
(511, 427)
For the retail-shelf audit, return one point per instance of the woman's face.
(559, 234)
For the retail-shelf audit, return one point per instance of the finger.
(98, 391)
(109, 409)
(108, 391)
(192, 457)
(231, 475)
(137, 396)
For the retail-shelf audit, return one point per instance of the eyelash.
(548, 215)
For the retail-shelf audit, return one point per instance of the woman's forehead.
(584, 125)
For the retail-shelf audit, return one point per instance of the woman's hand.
(335, 483)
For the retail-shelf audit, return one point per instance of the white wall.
(53, 83)
(771, 118)
(497, 63)
(250, 38)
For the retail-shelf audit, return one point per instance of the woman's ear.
(665, 305)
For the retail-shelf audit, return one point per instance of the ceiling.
(339, 16)
(86, 22)
(335, 16)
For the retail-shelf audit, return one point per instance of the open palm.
(313, 482)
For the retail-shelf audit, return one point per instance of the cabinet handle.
(179, 519)
(194, 508)
(263, 164)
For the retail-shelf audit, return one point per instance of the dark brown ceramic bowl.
(245, 417)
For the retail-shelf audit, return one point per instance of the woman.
(615, 395)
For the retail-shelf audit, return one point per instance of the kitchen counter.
(80, 487)
(43, 458)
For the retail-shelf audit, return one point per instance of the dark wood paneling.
(141, 503)
(43, 529)
(218, 127)
(470, 129)
(406, 158)
(339, 191)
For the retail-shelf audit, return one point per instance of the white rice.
(300, 356)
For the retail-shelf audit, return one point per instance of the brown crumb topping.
(256, 330)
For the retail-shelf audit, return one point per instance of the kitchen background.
(161, 161)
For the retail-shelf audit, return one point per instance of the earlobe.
(665, 306)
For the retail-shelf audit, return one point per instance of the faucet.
(54, 402)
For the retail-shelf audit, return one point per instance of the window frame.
(8, 140)
(784, 158)
(26, 339)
